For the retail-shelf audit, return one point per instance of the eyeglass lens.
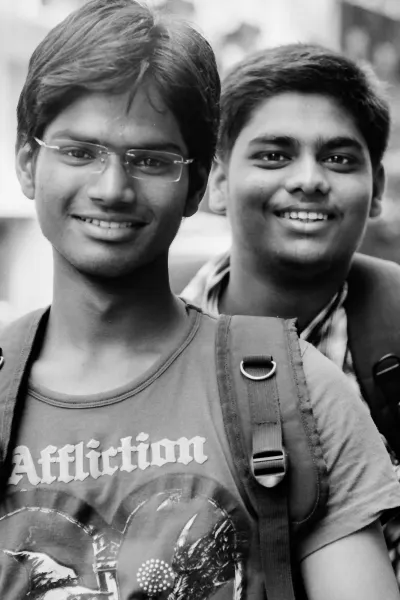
(140, 164)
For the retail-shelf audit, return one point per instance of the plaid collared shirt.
(327, 332)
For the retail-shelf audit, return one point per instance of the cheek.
(357, 198)
(249, 198)
(52, 199)
(169, 208)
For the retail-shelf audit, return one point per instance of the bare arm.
(353, 568)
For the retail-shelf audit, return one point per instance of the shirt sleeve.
(362, 482)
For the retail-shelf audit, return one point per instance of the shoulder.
(17, 337)
(373, 267)
(362, 483)
(327, 384)
(10, 330)
(205, 279)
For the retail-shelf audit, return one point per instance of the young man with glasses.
(120, 481)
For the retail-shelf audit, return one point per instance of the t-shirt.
(134, 492)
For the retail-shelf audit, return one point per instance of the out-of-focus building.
(234, 28)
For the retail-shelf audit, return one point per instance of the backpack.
(373, 325)
(280, 466)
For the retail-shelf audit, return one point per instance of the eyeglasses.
(139, 164)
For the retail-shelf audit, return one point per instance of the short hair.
(114, 46)
(309, 69)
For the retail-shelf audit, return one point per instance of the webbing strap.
(372, 308)
(386, 374)
(269, 468)
(269, 457)
(17, 347)
(270, 504)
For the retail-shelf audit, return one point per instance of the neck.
(286, 292)
(89, 312)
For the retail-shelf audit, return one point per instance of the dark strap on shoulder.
(17, 340)
(373, 322)
(249, 348)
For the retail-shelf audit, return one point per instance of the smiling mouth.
(304, 216)
(109, 224)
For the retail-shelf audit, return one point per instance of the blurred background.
(367, 30)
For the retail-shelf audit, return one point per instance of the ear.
(218, 188)
(197, 187)
(377, 193)
(24, 164)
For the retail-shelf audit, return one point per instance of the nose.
(112, 186)
(308, 177)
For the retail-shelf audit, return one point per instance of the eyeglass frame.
(106, 151)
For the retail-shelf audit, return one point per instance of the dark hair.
(309, 69)
(115, 46)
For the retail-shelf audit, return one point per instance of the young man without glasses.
(299, 172)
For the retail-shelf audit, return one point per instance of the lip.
(108, 228)
(309, 208)
(294, 218)
(110, 219)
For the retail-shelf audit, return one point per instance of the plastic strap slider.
(270, 467)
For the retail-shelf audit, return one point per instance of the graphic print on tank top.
(176, 537)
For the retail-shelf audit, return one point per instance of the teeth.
(107, 224)
(304, 215)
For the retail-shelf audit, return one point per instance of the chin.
(307, 263)
(104, 270)
(110, 272)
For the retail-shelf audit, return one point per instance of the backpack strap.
(373, 322)
(17, 342)
(261, 383)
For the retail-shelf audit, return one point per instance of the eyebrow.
(330, 143)
(278, 140)
(340, 142)
(154, 145)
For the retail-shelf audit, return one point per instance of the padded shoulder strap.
(16, 342)
(373, 321)
(239, 337)
(247, 342)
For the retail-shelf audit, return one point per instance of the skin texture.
(63, 193)
(297, 152)
(113, 314)
(354, 567)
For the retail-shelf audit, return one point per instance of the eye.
(78, 154)
(273, 156)
(338, 159)
(270, 159)
(340, 162)
(150, 162)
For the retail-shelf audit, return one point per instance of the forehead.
(304, 117)
(119, 120)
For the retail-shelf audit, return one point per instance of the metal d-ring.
(260, 377)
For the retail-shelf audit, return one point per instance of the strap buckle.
(269, 467)
(257, 360)
(387, 375)
(385, 365)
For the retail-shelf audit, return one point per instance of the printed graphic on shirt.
(77, 462)
(177, 537)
